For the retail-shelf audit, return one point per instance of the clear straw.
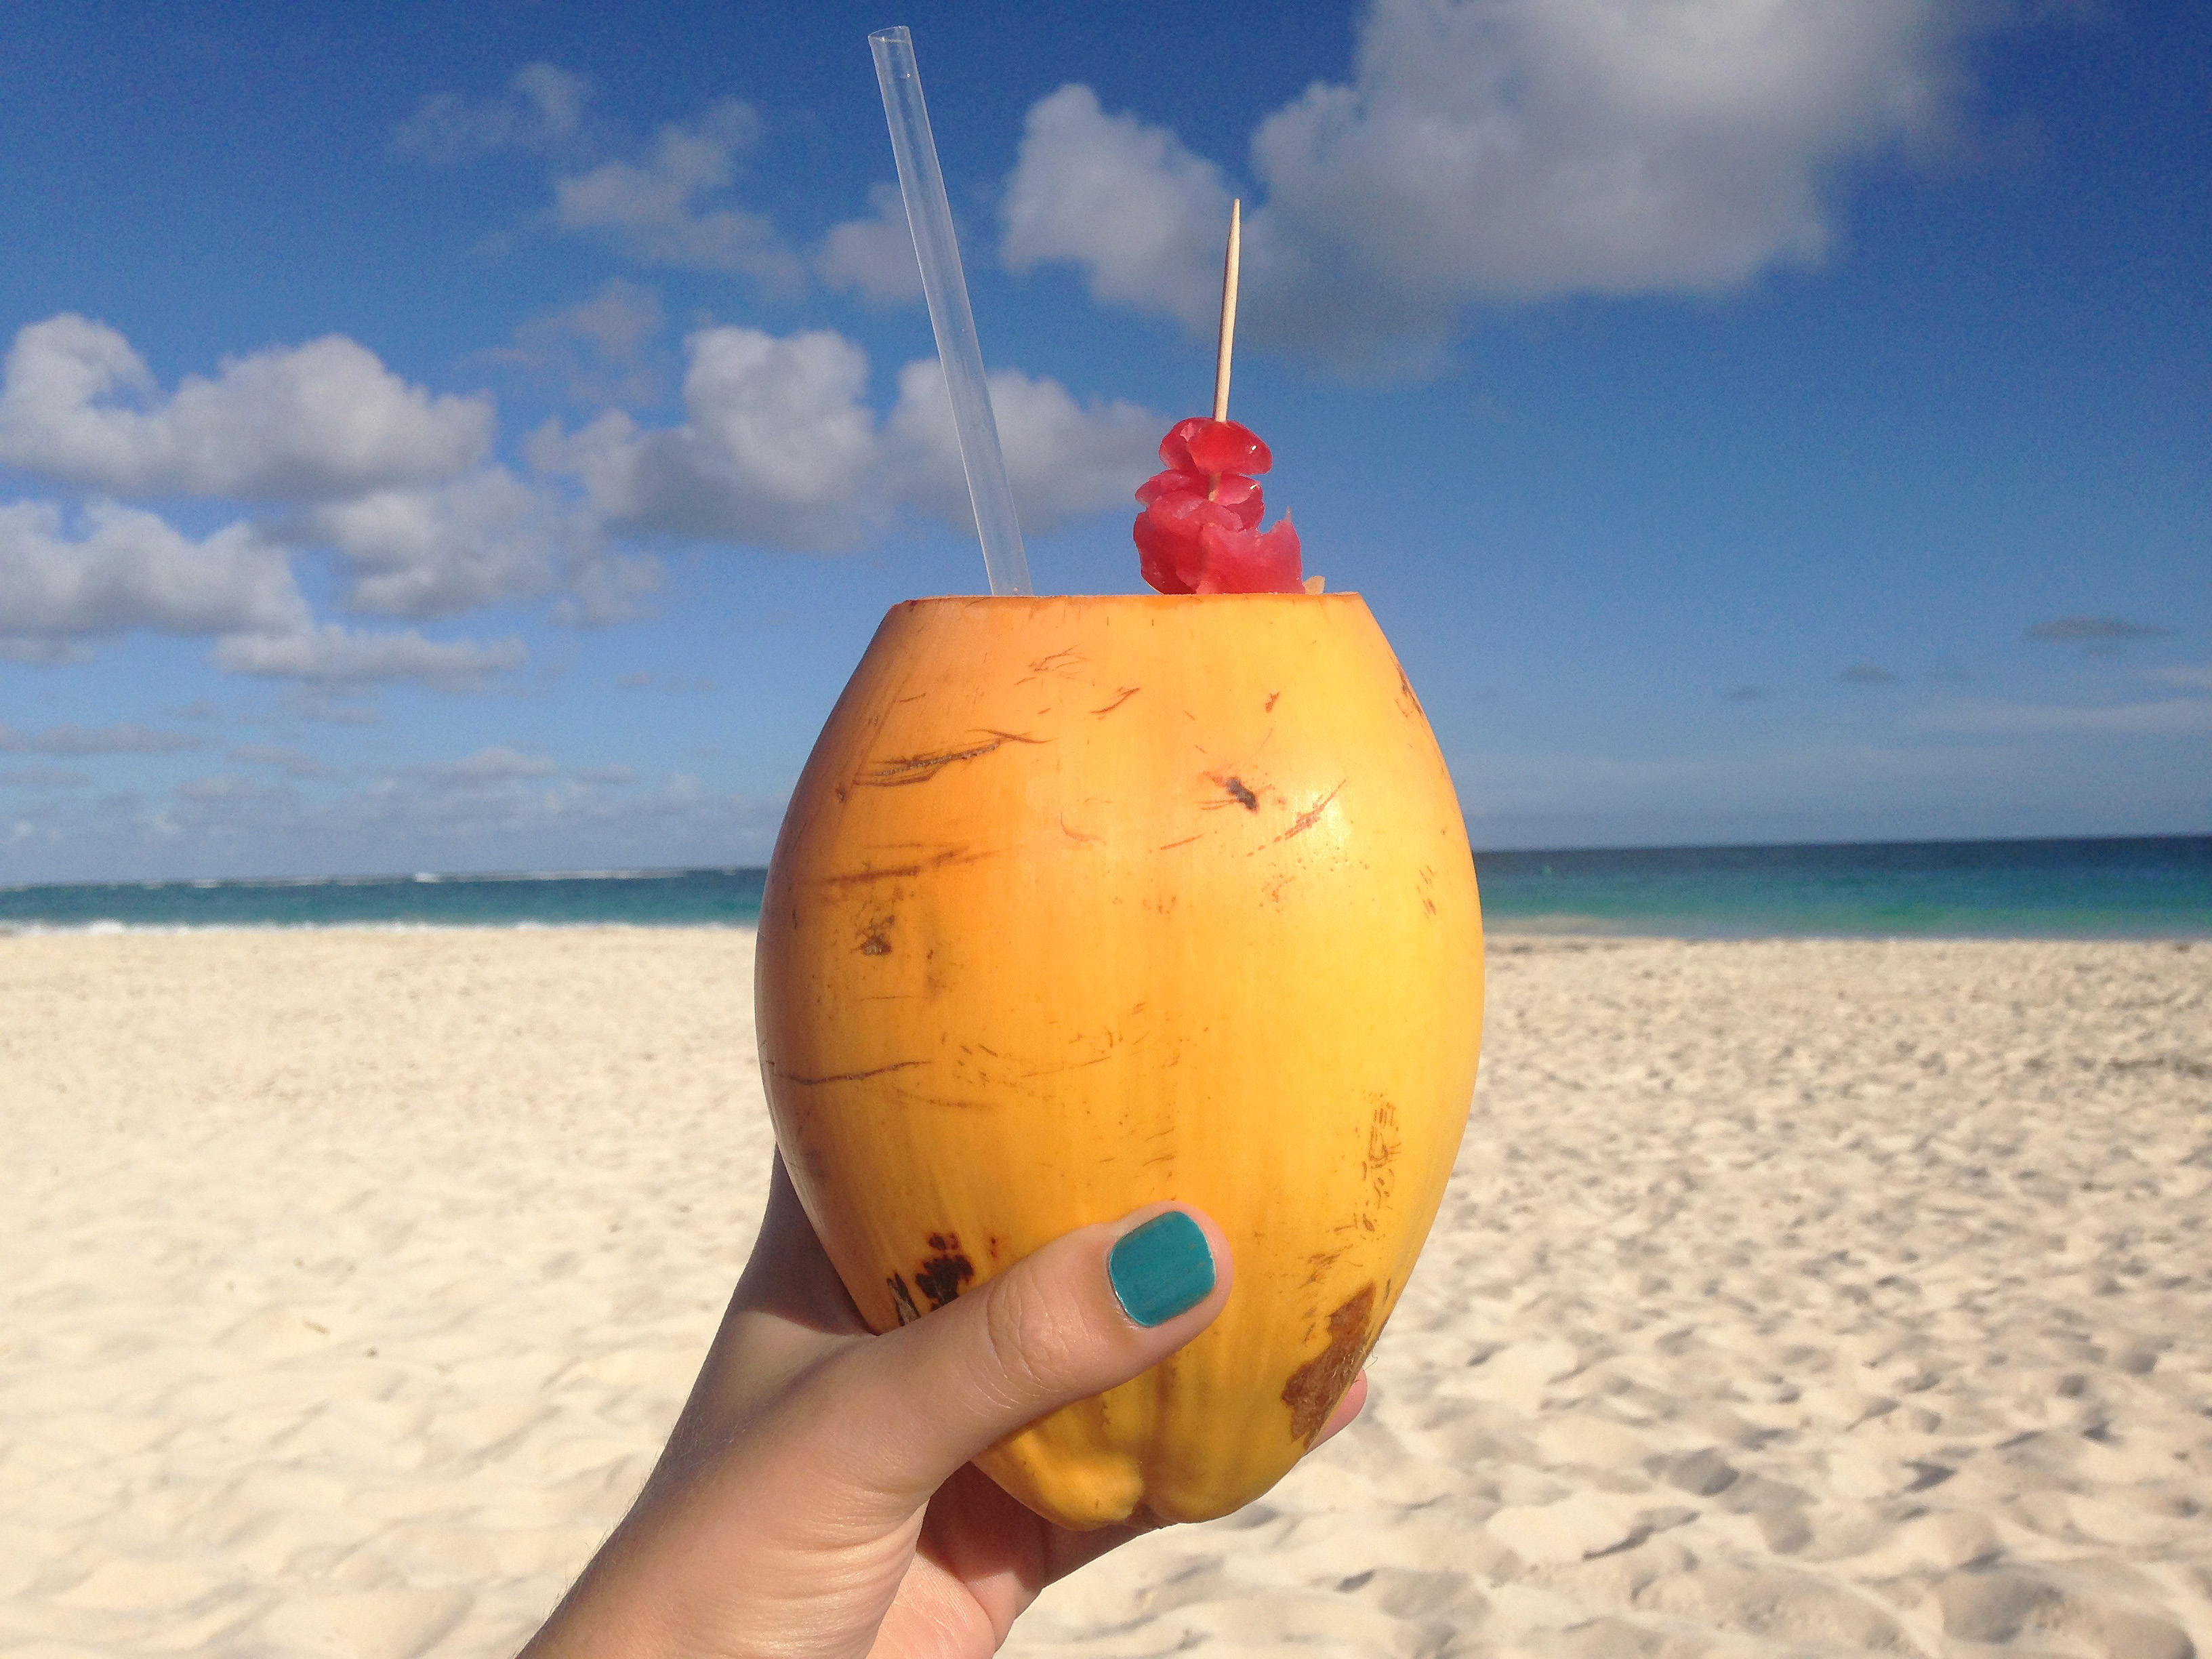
(929, 215)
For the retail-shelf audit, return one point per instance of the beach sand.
(1790, 1298)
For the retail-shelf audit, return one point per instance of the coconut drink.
(1087, 903)
(1084, 903)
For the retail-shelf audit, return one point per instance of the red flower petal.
(1156, 557)
(1199, 531)
(1184, 512)
(1224, 447)
(1245, 562)
(1241, 497)
(1169, 482)
(1175, 448)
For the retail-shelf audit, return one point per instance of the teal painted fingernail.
(1161, 1269)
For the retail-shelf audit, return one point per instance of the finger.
(787, 1301)
(787, 1305)
(789, 1274)
(1346, 1409)
(1088, 1311)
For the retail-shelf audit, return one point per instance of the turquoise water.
(650, 898)
(2153, 887)
(2156, 887)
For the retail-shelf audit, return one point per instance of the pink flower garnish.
(1200, 531)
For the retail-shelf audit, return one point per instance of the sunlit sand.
(1790, 1298)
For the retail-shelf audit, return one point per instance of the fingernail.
(1161, 1269)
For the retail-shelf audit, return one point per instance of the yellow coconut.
(1084, 903)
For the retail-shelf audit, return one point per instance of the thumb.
(1090, 1311)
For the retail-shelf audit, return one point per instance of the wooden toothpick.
(1228, 312)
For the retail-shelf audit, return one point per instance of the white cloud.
(609, 588)
(312, 423)
(419, 818)
(873, 257)
(331, 654)
(1500, 149)
(126, 568)
(2171, 716)
(777, 448)
(44, 653)
(415, 554)
(668, 203)
(434, 550)
(661, 212)
(1128, 202)
(542, 106)
(331, 704)
(389, 482)
(419, 555)
(495, 765)
(781, 448)
(2094, 630)
(1804, 789)
(128, 738)
(44, 777)
(223, 785)
(292, 762)
(597, 352)
(2190, 677)
(1062, 458)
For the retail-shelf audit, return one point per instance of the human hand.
(817, 1496)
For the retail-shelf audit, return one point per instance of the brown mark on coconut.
(1311, 816)
(921, 768)
(1062, 662)
(941, 1277)
(845, 1076)
(1406, 700)
(896, 871)
(1316, 1386)
(903, 1299)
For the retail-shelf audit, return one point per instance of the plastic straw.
(929, 216)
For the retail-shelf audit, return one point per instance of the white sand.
(1790, 1299)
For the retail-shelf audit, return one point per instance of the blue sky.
(484, 437)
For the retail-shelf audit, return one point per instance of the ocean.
(2151, 887)
(2148, 887)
